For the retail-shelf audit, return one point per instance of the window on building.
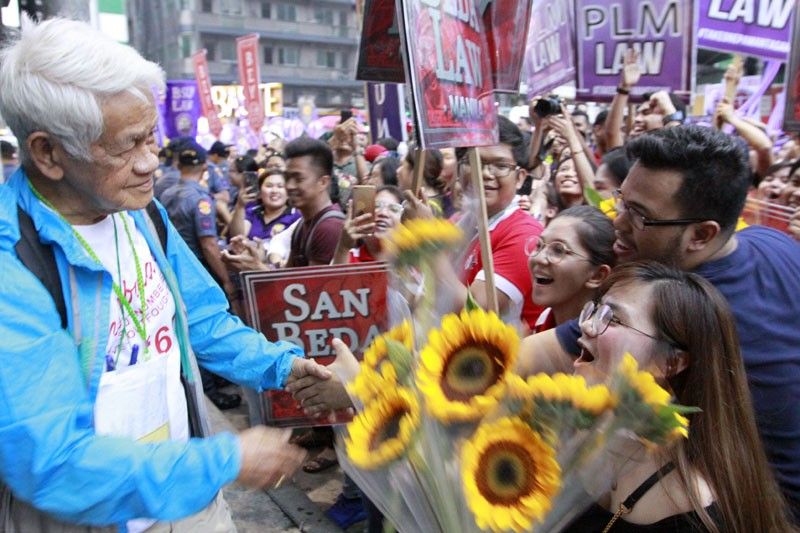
(267, 55)
(227, 50)
(186, 4)
(323, 16)
(342, 18)
(266, 10)
(186, 46)
(345, 60)
(326, 58)
(231, 7)
(287, 56)
(206, 6)
(287, 12)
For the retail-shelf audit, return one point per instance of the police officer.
(168, 174)
(191, 209)
(218, 179)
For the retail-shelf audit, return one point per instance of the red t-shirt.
(508, 234)
(546, 320)
(360, 255)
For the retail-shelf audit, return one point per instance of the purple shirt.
(254, 213)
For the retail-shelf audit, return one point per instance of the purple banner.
(660, 30)
(759, 28)
(550, 50)
(181, 109)
(387, 116)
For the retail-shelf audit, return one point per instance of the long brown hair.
(723, 444)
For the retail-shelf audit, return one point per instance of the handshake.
(267, 457)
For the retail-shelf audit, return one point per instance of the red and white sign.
(249, 76)
(204, 87)
(450, 71)
(311, 306)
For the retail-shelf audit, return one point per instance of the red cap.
(372, 152)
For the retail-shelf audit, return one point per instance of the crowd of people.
(607, 237)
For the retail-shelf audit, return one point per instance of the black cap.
(220, 149)
(191, 153)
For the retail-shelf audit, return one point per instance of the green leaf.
(592, 196)
(471, 304)
(400, 357)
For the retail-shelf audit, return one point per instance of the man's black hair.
(715, 170)
(601, 117)
(509, 134)
(618, 164)
(581, 113)
(388, 168)
(319, 152)
(389, 143)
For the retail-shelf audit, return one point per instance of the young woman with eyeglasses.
(679, 328)
(360, 238)
(568, 262)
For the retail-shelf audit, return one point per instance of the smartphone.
(363, 199)
(251, 181)
(345, 115)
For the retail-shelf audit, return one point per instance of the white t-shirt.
(160, 306)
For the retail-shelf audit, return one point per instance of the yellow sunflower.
(510, 476)
(571, 389)
(383, 431)
(654, 396)
(464, 366)
(417, 237)
(376, 373)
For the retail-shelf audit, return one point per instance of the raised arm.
(629, 77)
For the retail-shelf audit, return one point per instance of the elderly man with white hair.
(106, 312)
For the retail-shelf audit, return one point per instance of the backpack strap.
(40, 260)
(332, 213)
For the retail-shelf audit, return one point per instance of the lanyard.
(139, 325)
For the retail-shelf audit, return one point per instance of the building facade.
(310, 46)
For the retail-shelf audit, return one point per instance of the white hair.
(55, 76)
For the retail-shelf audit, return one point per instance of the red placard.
(508, 21)
(249, 76)
(204, 88)
(449, 65)
(379, 57)
(310, 306)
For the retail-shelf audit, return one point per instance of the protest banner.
(448, 65)
(181, 109)
(659, 30)
(791, 118)
(204, 89)
(507, 24)
(310, 307)
(379, 56)
(550, 47)
(250, 77)
(387, 111)
(760, 28)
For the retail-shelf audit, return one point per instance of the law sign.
(550, 48)
(310, 307)
(659, 30)
(759, 28)
(449, 67)
(379, 56)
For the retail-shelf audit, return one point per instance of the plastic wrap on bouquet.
(448, 438)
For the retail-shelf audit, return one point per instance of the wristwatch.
(677, 116)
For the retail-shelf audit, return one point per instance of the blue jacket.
(50, 456)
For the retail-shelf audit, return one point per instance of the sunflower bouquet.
(448, 438)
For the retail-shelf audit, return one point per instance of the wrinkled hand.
(302, 368)
(661, 103)
(267, 457)
(723, 113)
(631, 73)
(322, 396)
(243, 254)
(416, 206)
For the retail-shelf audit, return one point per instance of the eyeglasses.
(600, 316)
(391, 206)
(639, 221)
(554, 252)
(498, 170)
